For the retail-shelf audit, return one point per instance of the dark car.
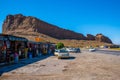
(77, 50)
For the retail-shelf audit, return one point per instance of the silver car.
(73, 50)
(63, 54)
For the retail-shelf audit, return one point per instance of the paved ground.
(113, 52)
(81, 66)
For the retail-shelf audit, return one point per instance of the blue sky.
(83, 16)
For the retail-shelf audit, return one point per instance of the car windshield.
(63, 51)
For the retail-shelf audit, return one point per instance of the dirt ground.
(81, 66)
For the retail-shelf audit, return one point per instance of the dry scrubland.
(84, 66)
(117, 49)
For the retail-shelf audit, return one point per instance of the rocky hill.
(28, 26)
(18, 22)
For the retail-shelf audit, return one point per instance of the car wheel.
(59, 57)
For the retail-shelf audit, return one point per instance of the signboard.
(37, 39)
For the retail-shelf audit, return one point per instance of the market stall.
(3, 48)
(10, 46)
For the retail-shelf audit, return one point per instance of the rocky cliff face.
(102, 38)
(99, 38)
(90, 37)
(20, 23)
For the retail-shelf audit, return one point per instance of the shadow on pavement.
(70, 58)
(22, 63)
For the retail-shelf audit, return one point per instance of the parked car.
(73, 50)
(77, 50)
(63, 54)
(92, 49)
(56, 52)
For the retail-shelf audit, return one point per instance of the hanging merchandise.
(8, 44)
(19, 52)
(16, 59)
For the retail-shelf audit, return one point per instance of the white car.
(92, 49)
(73, 50)
(56, 52)
(63, 54)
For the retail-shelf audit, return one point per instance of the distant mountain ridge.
(26, 24)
